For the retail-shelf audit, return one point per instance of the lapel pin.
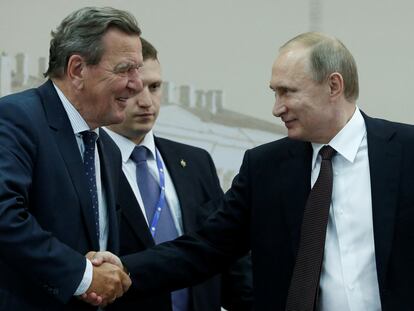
(183, 163)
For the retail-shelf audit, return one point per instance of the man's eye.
(280, 91)
(155, 87)
(125, 68)
(284, 91)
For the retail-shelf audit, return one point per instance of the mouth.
(122, 99)
(289, 123)
(144, 115)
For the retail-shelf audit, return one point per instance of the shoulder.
(277, 150)
(29, 106)
(167, 145)
(24, 100)
(21, 118)
(386, 129)
(110, 148)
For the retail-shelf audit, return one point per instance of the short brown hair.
(148, 50)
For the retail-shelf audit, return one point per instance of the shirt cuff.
(86, 280)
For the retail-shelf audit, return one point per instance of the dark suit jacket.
(46, 226)
(264, 209)
(197, 186)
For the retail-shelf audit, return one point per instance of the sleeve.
(194, 257)
(237, 286)
(86, 280)
(25, 246)
(237, 281)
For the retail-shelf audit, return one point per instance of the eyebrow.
(126, 65)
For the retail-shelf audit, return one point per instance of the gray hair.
(81, 33)
(328, 55)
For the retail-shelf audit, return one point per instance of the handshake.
(109, 281)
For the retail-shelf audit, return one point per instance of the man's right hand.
(108, 283)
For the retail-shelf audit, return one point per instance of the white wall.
(231, 44)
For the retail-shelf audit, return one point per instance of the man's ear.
(76, 70)
(336, 84)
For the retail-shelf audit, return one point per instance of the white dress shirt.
(348, 279)
(79, 125)
(129, 168)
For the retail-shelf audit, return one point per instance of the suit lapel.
(296, 171)
(133, 214)
(69, 150)
(108, 180)
(384, 158)
(181, 178)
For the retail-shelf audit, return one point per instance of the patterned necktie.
(89, 141)
(166, 230)
(304, 284)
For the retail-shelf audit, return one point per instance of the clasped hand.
(109, 280)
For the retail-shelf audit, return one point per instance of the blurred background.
(216, 57)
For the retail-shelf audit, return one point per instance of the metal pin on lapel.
(183, 163)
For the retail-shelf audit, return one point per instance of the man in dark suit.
(367, 232)
(51, 212)
(191, 185)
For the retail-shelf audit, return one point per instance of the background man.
(59, 172)
(189, 178)
(345, 244)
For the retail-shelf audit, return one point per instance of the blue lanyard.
(161, 201)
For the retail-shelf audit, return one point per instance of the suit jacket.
(197, 186)
(46, 226)
(264, 210)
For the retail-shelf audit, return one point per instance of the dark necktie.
(89, 140)
(166, 230)
(304, 284)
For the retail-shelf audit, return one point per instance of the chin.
(117, 119)
(295, 135)
(143, 130)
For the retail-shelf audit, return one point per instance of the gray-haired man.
(59, 172)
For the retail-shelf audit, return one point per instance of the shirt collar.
(348, 140)
(149, 142)
(126, 146)
(77, 122)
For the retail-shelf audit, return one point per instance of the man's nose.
(279, 108)
(144, 98)
(135, 83)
